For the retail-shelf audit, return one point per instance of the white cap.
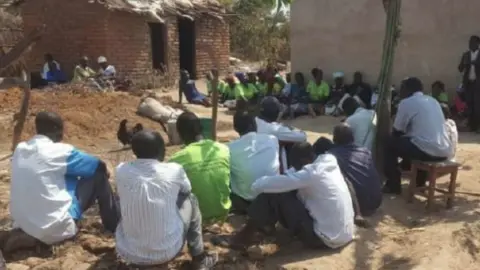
(102, 59)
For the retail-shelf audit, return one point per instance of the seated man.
(311, 201)
(53, 183)
(337, 90)
(439, 93)
(158, 194)
(360, 90)
(82, 71)
(49, 62)
(363, 122)
(356, 164)
(54, 75)
(252, 156)
(270, 113)
(318, 92)
(418, 134)
(298, 97)
(207, 164)
(188, 88)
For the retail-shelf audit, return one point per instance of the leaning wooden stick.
(21, 117)
(214, 93)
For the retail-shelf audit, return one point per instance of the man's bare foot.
(361, 222)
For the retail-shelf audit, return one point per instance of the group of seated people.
(104, 79)
(270, 173)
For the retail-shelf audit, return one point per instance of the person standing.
(470, 67)
(418, 134)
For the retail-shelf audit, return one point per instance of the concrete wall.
(348, 35)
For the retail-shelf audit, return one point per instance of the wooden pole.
(392, 33)
(215, 80)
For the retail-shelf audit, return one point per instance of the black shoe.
(388, 190)
(205, 261)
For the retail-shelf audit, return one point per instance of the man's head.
(349, 106)
(49, 124)
(189, 127)
(270, 109)
(474, 43)
(299, 78)
(252, 77)
(338, 78)
(184, 75)
(410, 86)
(357, 77)
(343, 135)
(318, 75)
(102, 62)
(446, 111)
(301, 154)
(148, 144)
(84, 61)
(48, 57)
(322, 145)
(244, 123)
(437, 88)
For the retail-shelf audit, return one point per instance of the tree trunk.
(383, 108)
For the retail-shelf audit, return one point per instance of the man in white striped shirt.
(159, 213)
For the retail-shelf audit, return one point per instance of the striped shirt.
(151, 230)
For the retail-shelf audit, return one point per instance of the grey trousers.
(192, 223)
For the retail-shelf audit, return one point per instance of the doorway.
(158, 38)
(186, 37)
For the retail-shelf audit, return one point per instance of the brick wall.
(74, 29)
(211, 35)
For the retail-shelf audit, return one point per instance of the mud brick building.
(137, 36)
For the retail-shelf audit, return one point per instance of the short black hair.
(188, 125)
(148, 144)
(301, 154)
(243, 122)
(322, 145)
(350, 105)
(315, 71)
(48, 57)
(343, 134)
(475, 38)
(49, 124)
(439, 84)
(412, 85)
(270, 108)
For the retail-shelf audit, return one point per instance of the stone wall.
(348, 35)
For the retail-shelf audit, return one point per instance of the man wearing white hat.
(106, 73)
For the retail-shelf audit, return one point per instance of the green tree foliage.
(259, 29)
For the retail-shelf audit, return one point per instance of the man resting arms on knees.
(53, 183)
(159, 213)
(311, 201)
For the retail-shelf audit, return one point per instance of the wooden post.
(215, 80)
(383, 109)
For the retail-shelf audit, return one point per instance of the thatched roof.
(159, 9)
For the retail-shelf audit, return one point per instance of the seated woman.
(261, 84)
(83, 73)
(337, 93)
(55, 75)
(439, 93)
(221, 83)
(298, 97)
(318, 93)
(233, 92)
(108, 78)
(248, 90)
(187, 87)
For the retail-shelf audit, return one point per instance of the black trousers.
(239, 205)
(98, 189)
(402, 147)
(472, 98)
(289, 211)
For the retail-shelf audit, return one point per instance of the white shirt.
(46, 69)
(452, 132)
(109, 71)
(472, 76)
(151, 230)
(322, 189)
(44, 176)
(421, 118)
(363, 124)
(283, 134)
(252, 156)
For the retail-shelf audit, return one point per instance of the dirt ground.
(404, 236)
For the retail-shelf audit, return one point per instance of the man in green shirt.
(207, 164)
(439, 93)
(318, 92)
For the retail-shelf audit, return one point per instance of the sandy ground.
(404, 236)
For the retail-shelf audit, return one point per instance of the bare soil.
(404, 236)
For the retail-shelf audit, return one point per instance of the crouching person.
(159, 212)
(53, 183)
(311, 201)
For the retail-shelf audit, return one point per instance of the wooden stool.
(434, 171)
